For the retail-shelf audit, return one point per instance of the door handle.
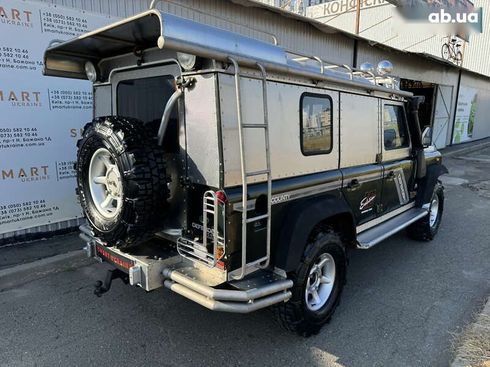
(354, 184)
(390, 175)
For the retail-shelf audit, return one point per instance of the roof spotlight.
(385, 67)
(367, 67)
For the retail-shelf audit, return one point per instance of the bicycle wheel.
(445, 52)
(458, 59)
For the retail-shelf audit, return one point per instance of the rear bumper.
(263, 292)
(192, 280)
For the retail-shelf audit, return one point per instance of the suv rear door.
(398, 163)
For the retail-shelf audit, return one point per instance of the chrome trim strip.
(295, 194)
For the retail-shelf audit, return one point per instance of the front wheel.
(426, 228)
(318, 284)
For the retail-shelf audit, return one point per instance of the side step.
(375, 235)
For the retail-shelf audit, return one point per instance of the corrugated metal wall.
(382, 24)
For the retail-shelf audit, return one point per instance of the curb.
(459, 358)
(467, 149)
(24, 273)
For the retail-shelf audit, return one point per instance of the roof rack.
(349, 72)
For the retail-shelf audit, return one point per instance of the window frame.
(315, 95)
(404, 122)
(401, 152)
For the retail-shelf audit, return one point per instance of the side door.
(398, 164)
(360, 148)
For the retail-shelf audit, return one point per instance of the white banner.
(40, 117)
(465, 115)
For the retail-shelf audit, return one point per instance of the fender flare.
(427, 184)
(301, 218)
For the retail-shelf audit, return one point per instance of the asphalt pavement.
(402, 305)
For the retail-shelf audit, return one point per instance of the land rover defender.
(237, 173)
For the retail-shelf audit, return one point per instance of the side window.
(316, 124)
(395, 128)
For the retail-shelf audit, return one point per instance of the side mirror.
(427, 137)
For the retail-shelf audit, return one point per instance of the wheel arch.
(427, 184)
(303, 219)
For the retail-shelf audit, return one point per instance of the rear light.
(221, 196)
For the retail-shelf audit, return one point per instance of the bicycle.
(450, 51)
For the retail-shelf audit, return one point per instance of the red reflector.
(221, 265)
(221, 196)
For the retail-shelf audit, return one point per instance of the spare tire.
(121, 180)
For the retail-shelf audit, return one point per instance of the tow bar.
(101, 288)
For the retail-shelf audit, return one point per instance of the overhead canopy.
(154, 28)
(151, 29)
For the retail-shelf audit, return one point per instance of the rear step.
(375, 235)
(261, 290)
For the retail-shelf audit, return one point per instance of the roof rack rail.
(349, 71)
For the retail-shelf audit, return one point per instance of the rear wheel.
(426, 228)
(458, 59)
(121, 180)
(318, 284)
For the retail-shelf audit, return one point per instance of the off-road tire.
(143, 176)
(422, 230)
(294, 315)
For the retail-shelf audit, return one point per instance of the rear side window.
(316, 124)
(145, 98)
(394, 128)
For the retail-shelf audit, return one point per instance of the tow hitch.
(101, 288)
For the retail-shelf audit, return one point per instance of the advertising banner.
(40, 117)
(465, 115)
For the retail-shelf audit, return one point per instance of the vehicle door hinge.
(379, 208)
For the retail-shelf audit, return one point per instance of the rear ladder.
(262, 262)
